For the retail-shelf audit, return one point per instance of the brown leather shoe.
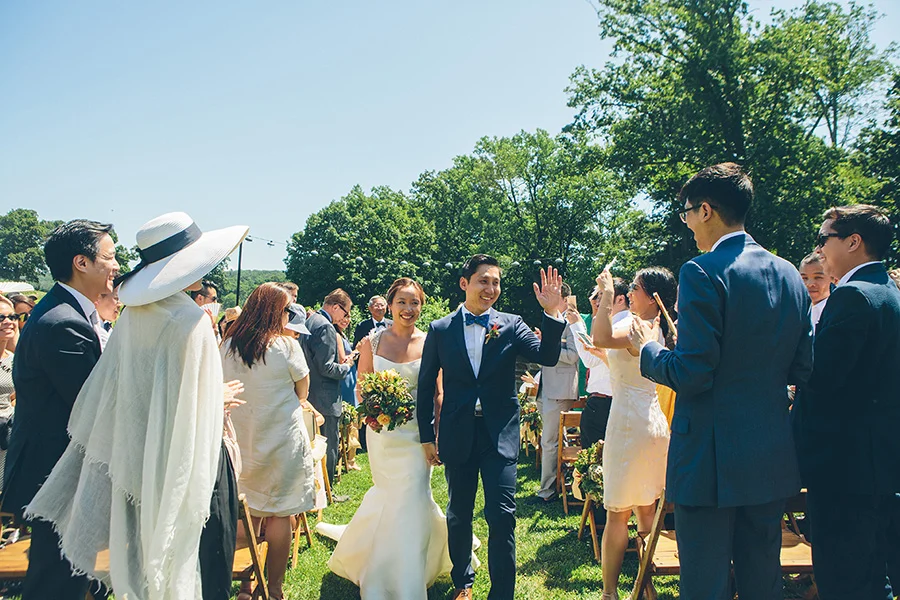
(462, 594)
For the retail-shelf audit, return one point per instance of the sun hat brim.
(174, 273)
(298, 320)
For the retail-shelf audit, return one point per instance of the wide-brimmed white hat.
(174, 254)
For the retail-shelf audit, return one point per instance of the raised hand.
(643, 331)
(605, 283)
(548, 294)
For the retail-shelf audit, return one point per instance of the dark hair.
(869, 222)
(204, 289)
(401, 283)
(21, 299)
(810, 258)
(661, 281)
(620, 288)
(75, 238)
(339, 297)
(725, 186)
(471, 266)
(290, 286)
(565, 290)
(259, 323)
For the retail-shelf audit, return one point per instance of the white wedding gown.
(396, 544)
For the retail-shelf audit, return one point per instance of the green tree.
(360, 243)
(531, 200)
(22, 236)
(698, 83)
(879, 159)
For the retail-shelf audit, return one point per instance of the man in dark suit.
(326, 371)
(476, 348)
(847, 417)
(377, 308)
(744, 334)
(59, 347)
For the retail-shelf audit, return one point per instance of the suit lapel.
(64, 296)
(490, 348)
(459, 338)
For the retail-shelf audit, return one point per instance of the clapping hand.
(643, 331)
(232, 390)
(548, 294)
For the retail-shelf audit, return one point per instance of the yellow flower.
(384, 420)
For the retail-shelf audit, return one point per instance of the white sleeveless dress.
(637, 436)
(396, 544)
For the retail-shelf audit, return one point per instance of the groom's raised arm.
(544, 351)
(428, 374)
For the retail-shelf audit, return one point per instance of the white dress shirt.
(90, 312)
(599, 381)
(727, 236)
(474, 334)
(816, 312)
(853, 271)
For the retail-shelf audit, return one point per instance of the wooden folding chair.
(588, 517)
(301, 529)
(567, 453)
(249, 560)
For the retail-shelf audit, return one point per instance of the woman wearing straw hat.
(146, 448)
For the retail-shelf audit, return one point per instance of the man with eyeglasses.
(847, 416)
(744, 335)
(326, 371)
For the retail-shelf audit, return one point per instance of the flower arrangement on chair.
(588, 473)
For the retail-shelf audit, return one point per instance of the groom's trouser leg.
(498, 476)
(462, 483)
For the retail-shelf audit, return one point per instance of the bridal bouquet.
(386, 401)
(588, 472)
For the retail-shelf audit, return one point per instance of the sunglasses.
(634, 286)
(822, 238)
(22, 316)
(12, 317)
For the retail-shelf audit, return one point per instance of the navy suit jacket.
(744, 335)
(55, 354)
(847, 417)
(445, 350)
(366, 326)
(325, 371)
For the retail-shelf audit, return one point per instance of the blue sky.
(262, 113)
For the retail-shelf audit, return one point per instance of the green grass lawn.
(552, 563)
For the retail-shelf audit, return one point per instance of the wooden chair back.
(249, 560)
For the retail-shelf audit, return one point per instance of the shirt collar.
(325, 314)
(87, 307)
(622, 314)
(853, 271)
(727, 236)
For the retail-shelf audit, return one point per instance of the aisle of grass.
(552, 563)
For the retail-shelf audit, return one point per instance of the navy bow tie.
(380, 324)
(479, 320)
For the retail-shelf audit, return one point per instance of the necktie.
(479, 320)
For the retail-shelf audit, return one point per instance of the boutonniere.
(492, 333)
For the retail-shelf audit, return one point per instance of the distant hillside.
(250, 279)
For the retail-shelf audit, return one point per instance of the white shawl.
(138, 475)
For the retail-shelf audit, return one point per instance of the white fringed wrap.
(138, 475)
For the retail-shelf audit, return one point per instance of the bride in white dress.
(637, 434)
(396, 544)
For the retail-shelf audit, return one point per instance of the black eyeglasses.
(682, 214)
(9, 317)
(22, 316)
(346, 312)
(822, 238)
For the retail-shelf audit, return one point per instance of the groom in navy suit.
(475, 349)
(847, 417)
(744, 335)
